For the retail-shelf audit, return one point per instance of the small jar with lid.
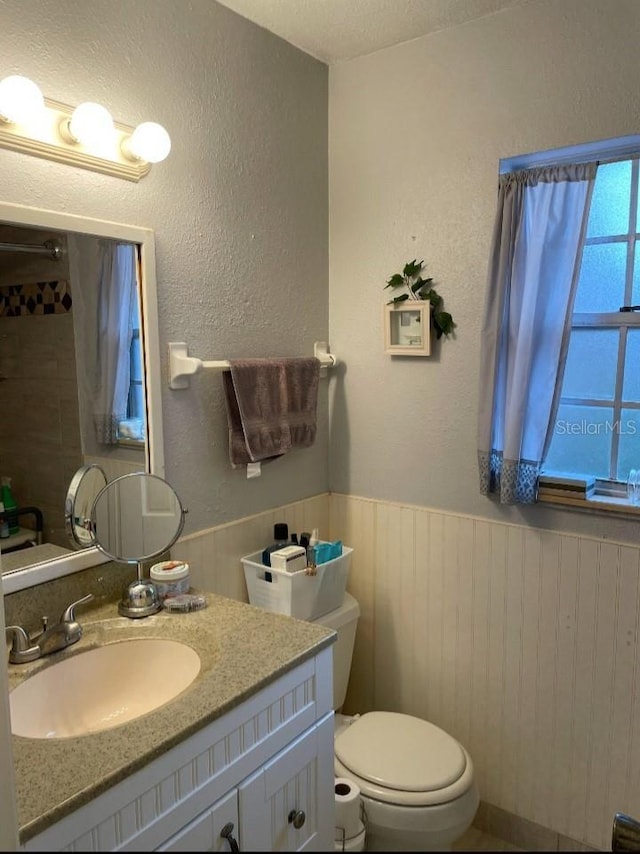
(171, 578)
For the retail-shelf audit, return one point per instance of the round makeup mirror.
(83, 490)
(134, 518)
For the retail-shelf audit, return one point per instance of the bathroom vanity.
(244, 755)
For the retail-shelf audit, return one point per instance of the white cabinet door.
(288, 804)
(204, 832)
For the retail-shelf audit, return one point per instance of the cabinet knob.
(297, 818)
(227, 833)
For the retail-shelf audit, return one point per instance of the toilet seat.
(400, 759)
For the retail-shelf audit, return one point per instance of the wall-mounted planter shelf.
(407, 329)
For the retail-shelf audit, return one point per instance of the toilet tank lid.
(348, 611)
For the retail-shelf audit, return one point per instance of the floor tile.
(476, 840)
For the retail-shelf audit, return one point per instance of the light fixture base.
(49, 138)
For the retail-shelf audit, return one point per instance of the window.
(133, 428)
(596, 432)
(135, 404)
(559, 402)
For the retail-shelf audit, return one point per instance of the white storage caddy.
(297, 594)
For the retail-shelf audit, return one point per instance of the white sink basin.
(102, 688)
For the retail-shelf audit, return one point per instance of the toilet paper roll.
(347, 795)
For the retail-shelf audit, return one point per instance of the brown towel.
(271, 407)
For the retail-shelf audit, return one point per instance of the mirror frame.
(21, 215)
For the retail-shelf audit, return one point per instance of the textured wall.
(239, 209)
(416, 135)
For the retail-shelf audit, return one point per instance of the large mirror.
(79, 375)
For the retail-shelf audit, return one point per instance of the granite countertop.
(36, 554)
(242, 648)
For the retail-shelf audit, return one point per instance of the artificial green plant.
(418, 288)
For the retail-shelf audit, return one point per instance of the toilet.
(416, 781)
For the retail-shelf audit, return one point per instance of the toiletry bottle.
(304, 542)
(312, 557)
(4, 524)
(9, 504)
(281, 537)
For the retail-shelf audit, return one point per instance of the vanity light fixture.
(86, 136)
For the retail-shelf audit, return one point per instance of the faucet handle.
(22, 649)
(69, 615)
(19, 637)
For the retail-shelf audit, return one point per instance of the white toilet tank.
(344, 621)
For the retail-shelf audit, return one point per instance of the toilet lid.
(400, 752)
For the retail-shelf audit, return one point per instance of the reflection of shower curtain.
(104, 299)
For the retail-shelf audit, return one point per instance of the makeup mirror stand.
(133, 518)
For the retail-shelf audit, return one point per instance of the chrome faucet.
(625, 835)
(51, 639)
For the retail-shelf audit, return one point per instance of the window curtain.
(533, 271)
(117, 288)
(104, 301)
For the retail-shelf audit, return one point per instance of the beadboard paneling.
(522, 643)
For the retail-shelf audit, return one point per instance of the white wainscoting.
(522, 643)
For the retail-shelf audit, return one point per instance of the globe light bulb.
(149, 142)
(91, 124)
(20, 99)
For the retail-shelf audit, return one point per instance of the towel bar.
(182, 366)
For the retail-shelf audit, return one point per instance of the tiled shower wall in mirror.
(39, 431)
